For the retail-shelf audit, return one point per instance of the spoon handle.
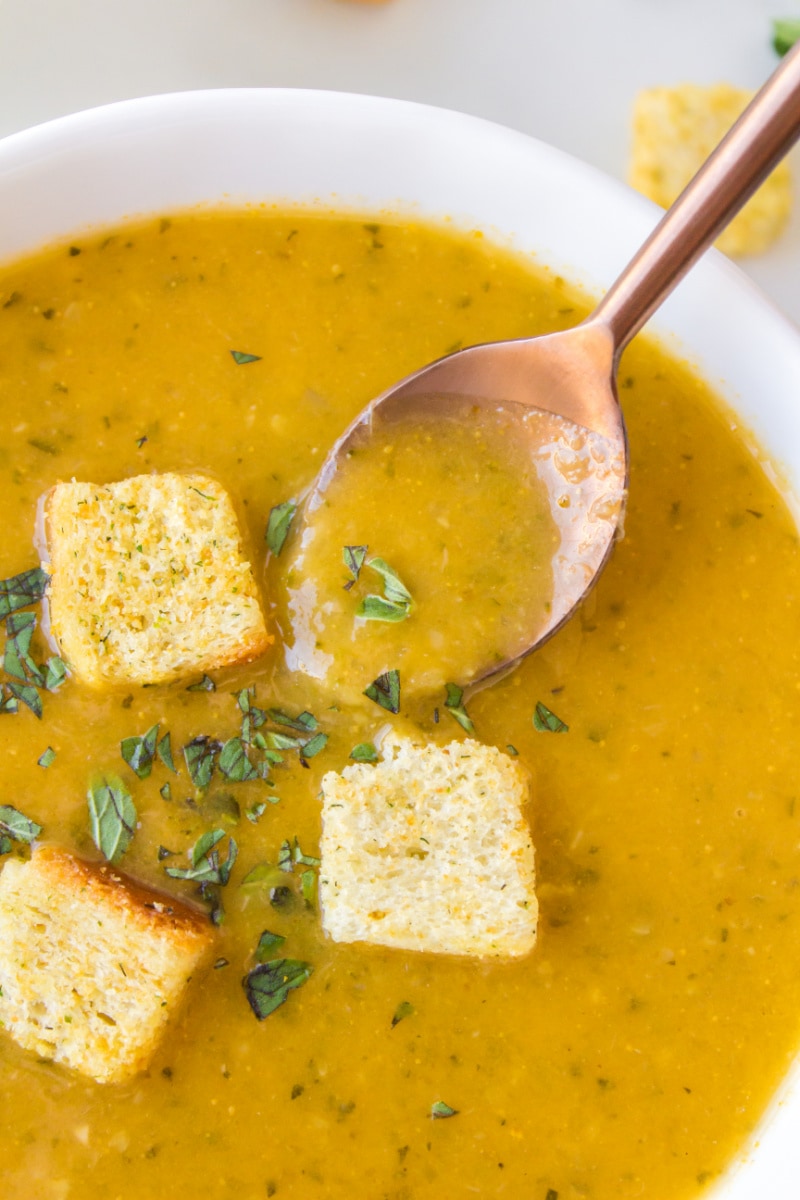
(764, 133)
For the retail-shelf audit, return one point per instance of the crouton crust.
(92, 964)
(429, 850)
(149, 580)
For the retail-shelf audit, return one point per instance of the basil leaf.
(285, 857)
(139, 751)
(112, 817)
(305, 723)
(455, 706)
(22, 590)
(55, 672)
(16, 825)
(17, 660)
(375, 608)
(353, 558)
(268, 985)
(207, 869)
(364, 752)
(393, 587)
(5, 844)
(512, 750)
(206, 684)
(256, 811)
(785, 32)
(234, 763)
(241, 357)
(546, 721)
(385, 691)
(200, 756)
(308, 886)
(28, 695)
(403, 1010)
(280, 519)
(8, 703)
(204, 844)
(313, 746)
(440, 1110)
(268, 941)
(308, 860)
(165, 792)
(164, 751)
(47, 758)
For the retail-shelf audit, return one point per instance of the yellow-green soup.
(634, 1051)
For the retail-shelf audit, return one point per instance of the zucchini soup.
(635, 1049)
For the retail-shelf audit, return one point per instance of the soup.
(634, 1051)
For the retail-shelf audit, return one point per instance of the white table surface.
(563, 70)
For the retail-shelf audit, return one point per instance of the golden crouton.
(149, 580)
(429, 850)
(674, 131)
(91, 965)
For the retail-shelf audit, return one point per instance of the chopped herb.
(234, 763)
(47, 758)
(313, 746)
(164, 751)
(385, 691)
(112, 817)
(200, 755)
(284, 741)
(241, 358)
(206, 866)
(17, 660)
(307, 860)
(262, 875)
(139, 751)
(353, 557)
(454, 703)
(403, 1010)
(22, 590)
(140, 441)
(5, 848)
(163, 853)
(546, 721)
(268, 941)
(393, 586)
(256, 811)
(785, 32)
(8, 703)
(376, 608)
(17, 826)
(268, 985)
(364, 752)
(305, 723)
(440, 1110)
(512, 750)
(206, 684)
(308, 886)
(55, 672)
(165, 792)
(285, 857)
(280, 519)
(28, 695)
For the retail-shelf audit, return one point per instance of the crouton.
(92, 966)
(149, 580)
(429, 850)
(674, 131)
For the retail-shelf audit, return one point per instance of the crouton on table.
(429, 850)
(149, 580)
(92, 966)
(674, 131)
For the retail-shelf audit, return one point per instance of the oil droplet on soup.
(492, 518)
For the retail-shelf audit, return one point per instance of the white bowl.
(170, 152)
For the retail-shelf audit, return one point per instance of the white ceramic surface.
(331, 149)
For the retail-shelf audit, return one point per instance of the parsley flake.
(385, 691)
(47, 758)
(112, 817)
(241, 357)
(364, 752)
(268, 985)
(440, 1111)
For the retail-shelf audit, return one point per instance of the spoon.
(572, 374)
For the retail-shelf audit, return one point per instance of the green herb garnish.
(353, 558)
(394, 604)
(546, 721)
(285, 857)
(27, 694)
(164, 751)
(17, 826)
(47, 758)
(278, 524)
(364, 752)
(200, 756)
(234, 763)
(139, 751)
(385, 691)
(440, 1110)
(17, 660)
(268, 985)
(305, 723)
(112, 817)
(268, 941)
(206, 684)
(22, 590)
(307, 860)
(241, 357)
(308, 886)
(313, 746)
(257, 810)
(785, 32)
(403, 1010)
(454, 703)
(207, 868)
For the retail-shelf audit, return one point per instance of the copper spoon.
(573, 373)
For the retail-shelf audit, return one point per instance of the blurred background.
(565, 71)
